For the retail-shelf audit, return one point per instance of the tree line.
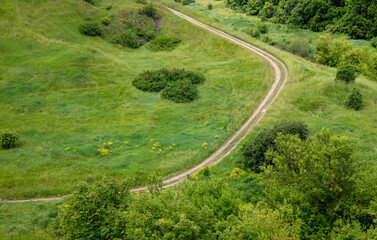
(356, 18)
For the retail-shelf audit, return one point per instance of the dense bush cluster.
(174, 83)
(90, 29)
(254, 151)
(354, 100)
(163, 43)
(149, 10)
(7, 139)
(355, 18)
(346, 74)
(129, 39)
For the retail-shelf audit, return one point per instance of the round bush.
(346, 74)
(187, 2)
(8, 139)
(149, 10)
(90, 29)
(254, 151)
(354, 100)
(194, 77)
(180, 91)
(163, 43)
(262, 28)
(209, 6)
(128, 39)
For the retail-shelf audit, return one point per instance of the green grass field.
(310, 95)
(67, 94)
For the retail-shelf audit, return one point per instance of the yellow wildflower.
(67, 148)
(110, 143)
(217, 136)
(205, 122)
(136, 146)
(126, 142)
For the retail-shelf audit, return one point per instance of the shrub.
(8, 139)
(178, 1)
(262, 28)
(209, 6)
(187, 2)
(128, 39)
(253, 32)
(180, 91)
(163, 43)
(149, 10)
(346, 74)
(354, 100)
(89, 1)
(106, 21)
(300, 48)
(254, 151)
(94, 211)
(146, 35)
(141, 1)
(155, 81)
(374, 42)
(90, 29)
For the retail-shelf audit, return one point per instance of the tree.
(354, 100)
(346, 74)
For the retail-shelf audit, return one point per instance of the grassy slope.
(61, 89)
(310, 95)
(26, 221)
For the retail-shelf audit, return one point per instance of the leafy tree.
(8, 139)
(330, 52)
(254, 151)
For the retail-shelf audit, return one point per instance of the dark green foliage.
(128, 39)
(354, 100)
(262, 28)
(90, 29)
(8, 139)
(141, 1)
(163, 43)
(180, 91)
(187, 2)
(155, 81)
(209, 6)
(346, 74)
(178, 1)
(94, 211)
(89, 1)
(374, 42)
(253, 32)
(356, 18)
(254, 151)
(149, 10)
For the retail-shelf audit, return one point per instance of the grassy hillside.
(310, 95)
(67, 94)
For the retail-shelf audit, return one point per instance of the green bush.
(180, 91)
(149, 10)
(155, 81)
(89, 1)
(147, 35)
(209, 6)
(128, 39)
(178, 1)
(187, 2)
(90, 29)
(253, 32)
(94, 211)
(106, 21)
(163, 43)
(8, 139)
(254, 151)
(346, 74)
(374, 42)
(141, 1)
(354, 100)
(300, 48)
(262, 28)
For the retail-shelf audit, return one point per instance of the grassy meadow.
(66, 94)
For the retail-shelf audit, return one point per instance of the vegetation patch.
(346, 74)
(91, 29)
(254, 151)
(8, 139)
(174, 83)
(354, 100)
(163, 43)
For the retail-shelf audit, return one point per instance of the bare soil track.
(280, 78)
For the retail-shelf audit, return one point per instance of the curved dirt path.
(280, 78)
